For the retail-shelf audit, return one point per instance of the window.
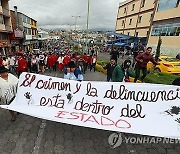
(167, 4)
(151, 18)
(28, 20)
(133, 6)
(29, 31)
(147, 33)
(128, 33)
(143, 3)
(24, 30)
(1, 19)
(123, 23)
(166, 30)
(130, 21)
(125, 10)
(4, 36)
(137, 33)
(139, 19)
(177, 3)
(177, 31)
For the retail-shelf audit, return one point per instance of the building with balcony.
(16, 38)
(34, 33)
(135, 17)
(166, 23)
(5, 27)
(151, 19)
(43, 38)
(29, 27)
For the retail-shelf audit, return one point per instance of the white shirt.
(6, 63)
(11, 61)
(60, 60)
(94, 60)
(8, 88)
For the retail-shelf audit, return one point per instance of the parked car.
(168, 65)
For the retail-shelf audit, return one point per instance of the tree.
(158, 50)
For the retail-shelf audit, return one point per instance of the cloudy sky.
(58, 13)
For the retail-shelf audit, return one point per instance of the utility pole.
(76, 17)
(87, 28)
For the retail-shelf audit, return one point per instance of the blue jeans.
(109, 78)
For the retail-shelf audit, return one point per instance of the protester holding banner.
(72, 72)
(142, 60)
(8, 86)
(122, 72)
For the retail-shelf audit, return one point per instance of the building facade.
(17, 36)
(29, 28)
(135, 17)
(34, 33)
(151, 19)
(166, 23)
(5, 27)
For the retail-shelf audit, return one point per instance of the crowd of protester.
(48, 61)
(73, 65)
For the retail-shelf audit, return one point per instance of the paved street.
(106, 56)
(29, 135)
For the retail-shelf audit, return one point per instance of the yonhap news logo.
(116, 139)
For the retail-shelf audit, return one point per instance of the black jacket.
(110, 69)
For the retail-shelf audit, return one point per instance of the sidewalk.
(29, 135)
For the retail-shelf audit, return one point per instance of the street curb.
(101, 69)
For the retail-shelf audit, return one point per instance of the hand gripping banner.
(147, 109)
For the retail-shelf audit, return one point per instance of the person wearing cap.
(122, 72)
(72, 72)
(141, 63)
(8, 86)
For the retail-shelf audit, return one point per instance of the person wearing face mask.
(141, 63)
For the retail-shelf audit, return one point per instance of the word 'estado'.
(95, 107)
(101, 120)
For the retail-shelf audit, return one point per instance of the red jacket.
(1, 62)
(22, 65)
(85, 58)
(50, 61)
(66, 60)
(54, 57)
(142, 60)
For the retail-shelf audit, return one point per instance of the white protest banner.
(146, 109)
